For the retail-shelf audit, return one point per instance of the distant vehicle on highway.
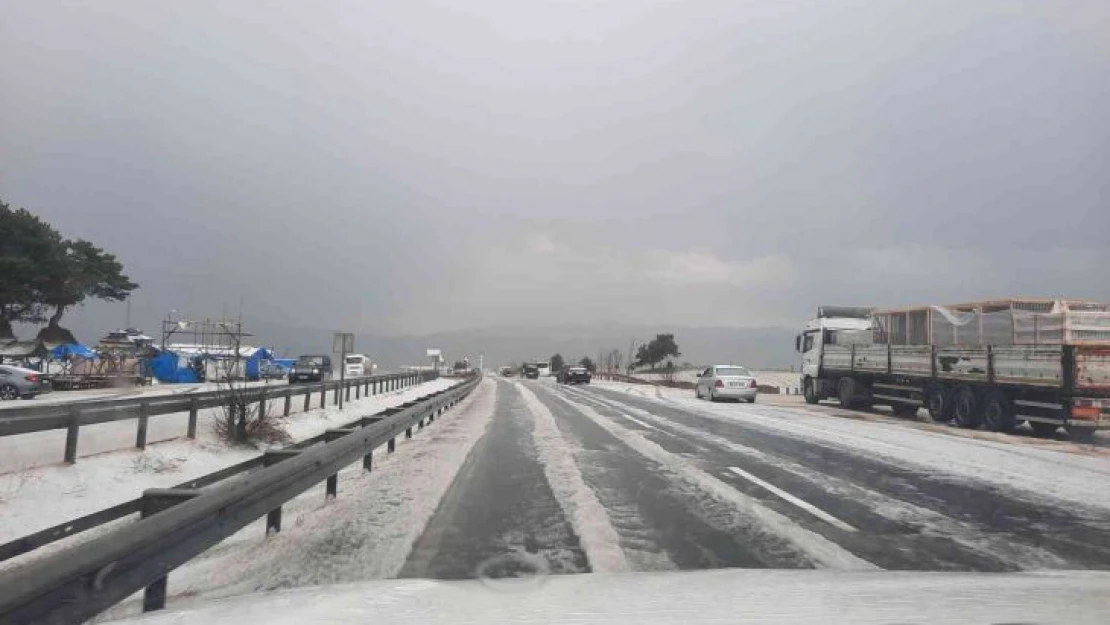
(574, 375)
(506, 371)
(726, 382)
(544, 368)
(270, 370)
(530, 371)
(357, 365)
(16, 382)
(311, 368)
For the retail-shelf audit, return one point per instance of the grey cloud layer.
(419, 166)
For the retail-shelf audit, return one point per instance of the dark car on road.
(574, 375)
(311, 368)
(530, 371)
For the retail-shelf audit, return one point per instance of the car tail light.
(30, 377)
(752, 384)
(718, 384)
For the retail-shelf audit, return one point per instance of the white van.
(357, 365)
(545, 368)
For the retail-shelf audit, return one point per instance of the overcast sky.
(407, 167)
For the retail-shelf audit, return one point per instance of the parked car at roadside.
(311, 368)
(574, 375)
(17, 382)
(726, 382)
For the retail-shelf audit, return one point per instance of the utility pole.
(482, 363)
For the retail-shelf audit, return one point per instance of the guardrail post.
(368, 461)
(307, 400)
(288, 401)
(140, 436)
(72, 430)
(323, 395)
(273, 521)
(358, 392)
(391, 446)
(274, 456)
(347, 392)
(156, 500)
(261, 404)
(192, 431)
(335, 396)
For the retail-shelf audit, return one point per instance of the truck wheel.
(998, 413)
(846, 392)
(938, 400)
(966, 408)
(1081, 434)
(809, 388)
(904, 410)
(1042, 429)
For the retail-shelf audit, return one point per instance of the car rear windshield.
(354, 360)
(310, 360)
(729, 371)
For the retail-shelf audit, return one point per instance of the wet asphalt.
(500, 517)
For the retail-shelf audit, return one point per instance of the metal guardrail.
(178, 524)
(71, 416)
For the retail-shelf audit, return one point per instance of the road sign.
(434, 353)
(343, 342)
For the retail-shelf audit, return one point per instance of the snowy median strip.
(578, 501)
(823, 551)
(808, 507)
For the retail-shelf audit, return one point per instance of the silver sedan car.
(16, 382)
(726, 382)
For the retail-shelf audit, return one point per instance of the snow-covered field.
(32, 499)
(779, 379)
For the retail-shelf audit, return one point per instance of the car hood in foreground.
(718, 596)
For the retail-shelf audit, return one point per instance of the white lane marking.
(578, 501)
(823, 552)
(804, 505)
(641, 423)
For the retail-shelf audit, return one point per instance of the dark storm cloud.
(422, 166)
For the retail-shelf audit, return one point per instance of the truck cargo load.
(993, 363)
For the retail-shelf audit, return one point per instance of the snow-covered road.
(534, 476)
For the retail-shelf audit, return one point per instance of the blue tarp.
(251, 369)
(165, 368)
(72, 349)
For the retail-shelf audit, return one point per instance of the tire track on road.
(752, 513)
(997, 525)
(924, 539)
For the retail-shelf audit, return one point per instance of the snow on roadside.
(1077, 479)
(822, 551)
(579, 503)
(36, 498)
(365, 533)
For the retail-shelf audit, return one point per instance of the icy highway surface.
(531, 476)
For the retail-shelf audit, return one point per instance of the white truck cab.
(357, 366)
(830, 324)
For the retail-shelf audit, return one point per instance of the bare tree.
(242, 418)
(631, 354)
(615, 357)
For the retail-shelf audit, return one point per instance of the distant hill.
(760, 348)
